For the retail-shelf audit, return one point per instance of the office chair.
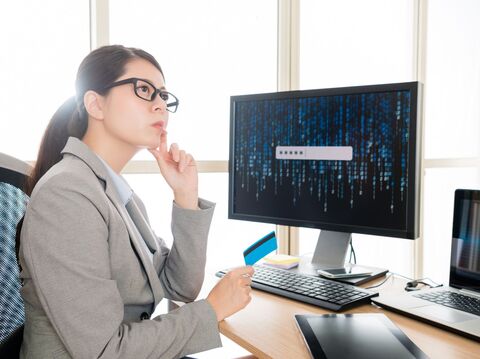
(13, 174)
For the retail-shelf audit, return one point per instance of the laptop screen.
(465, 257)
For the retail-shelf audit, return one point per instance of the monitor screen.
(465, 255)
(343, 159)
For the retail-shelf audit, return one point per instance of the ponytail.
(67, 121)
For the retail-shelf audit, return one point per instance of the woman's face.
(130, 119)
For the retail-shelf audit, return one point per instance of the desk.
(267, 329)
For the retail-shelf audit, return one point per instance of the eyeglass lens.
(146, 91)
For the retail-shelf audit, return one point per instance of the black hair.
(99, 69)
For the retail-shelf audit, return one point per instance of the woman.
(92, 269)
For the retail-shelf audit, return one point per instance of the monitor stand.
(330, 252)
(331, 249)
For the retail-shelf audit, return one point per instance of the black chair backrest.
(13, 201)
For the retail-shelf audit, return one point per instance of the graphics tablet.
(359, 336)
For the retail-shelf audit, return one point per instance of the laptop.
(456, 307)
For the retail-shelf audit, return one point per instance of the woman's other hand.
(232, 292)
(179, 170)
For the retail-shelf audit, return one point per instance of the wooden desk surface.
(266, 328)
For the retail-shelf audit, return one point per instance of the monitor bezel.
(411, 230)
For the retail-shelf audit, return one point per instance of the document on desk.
(359, 336)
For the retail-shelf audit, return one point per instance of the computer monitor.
(342, 160)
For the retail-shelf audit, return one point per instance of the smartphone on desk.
(345, 272)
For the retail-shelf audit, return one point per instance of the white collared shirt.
(122, 187)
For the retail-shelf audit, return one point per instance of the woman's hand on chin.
(179, 170)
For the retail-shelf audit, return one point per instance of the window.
(452, 112)
(44, 43)
(213, 49)
(452, 125)
(349, 43)
(208, 50)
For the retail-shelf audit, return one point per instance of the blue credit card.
(260, 249)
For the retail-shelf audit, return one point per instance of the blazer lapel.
(142, 225)
(77, 148)
(135, 239)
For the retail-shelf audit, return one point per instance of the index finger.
(163, 142)
(244, 271)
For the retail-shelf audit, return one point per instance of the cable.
(390, 274)
(431, 280)
(400, 275)
(352, 251)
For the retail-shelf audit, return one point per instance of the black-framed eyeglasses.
(147, 91)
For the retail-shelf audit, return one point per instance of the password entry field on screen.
(326, 153)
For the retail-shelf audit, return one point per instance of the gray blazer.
(88, 282)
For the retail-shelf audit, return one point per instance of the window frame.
(288, 55)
